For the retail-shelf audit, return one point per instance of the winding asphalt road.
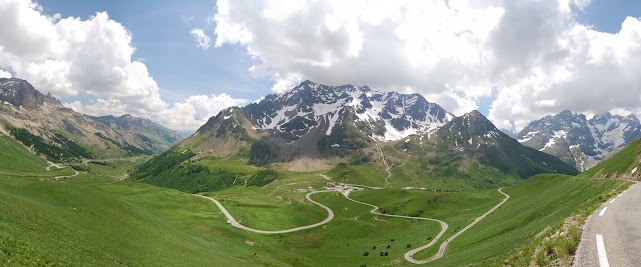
(409, 256)
(66, 176)
(233, 222)
(612, 234)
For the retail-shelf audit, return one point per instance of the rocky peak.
(383, 116)
(20, 93)
(579, 141)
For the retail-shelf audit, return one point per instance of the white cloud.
(196, 110)
(69, 56)
(187, 115)
(534, 56)
(5, 74)
(202, 40)
(430, 47)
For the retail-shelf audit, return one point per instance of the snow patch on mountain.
(389, 116)
(586, 142)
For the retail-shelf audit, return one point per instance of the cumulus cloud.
(196, 110)
(202, 40)
(69, 56)
(5, 74)
(187, 115)
(533, 55)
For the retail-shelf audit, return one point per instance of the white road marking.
(600, 247)
(613, 200)
(603, 211)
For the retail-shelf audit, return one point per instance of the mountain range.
(579, 141)
(315, 127)
(60, 134)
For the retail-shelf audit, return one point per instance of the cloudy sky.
(180, 62)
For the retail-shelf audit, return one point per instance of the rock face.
(21, 94)
(578, 141)
(41, 122)
(382, 116)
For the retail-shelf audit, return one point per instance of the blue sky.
(515, 61)
(161, 37)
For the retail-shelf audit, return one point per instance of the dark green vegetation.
(262, 178)
(131, 150)
(69, 149)
(262, 153)
(170, 170)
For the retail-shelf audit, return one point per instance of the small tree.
(366, 254)
(374, 248)
(382, 254)
(386, 253)
(388, 246)
(409, 245)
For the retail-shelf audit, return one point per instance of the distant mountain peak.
(384, 116)
(579, 141)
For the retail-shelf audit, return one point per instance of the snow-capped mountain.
(317, 126)
(578, 141)
(382, 116)
(315, 121)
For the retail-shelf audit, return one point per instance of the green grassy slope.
(172, 170)
(102, 223)
(15, 159)
(541, 202)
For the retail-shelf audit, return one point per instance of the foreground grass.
(558, 244)
(103, 223)
(16, 160)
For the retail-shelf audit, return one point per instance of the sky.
(181, 62)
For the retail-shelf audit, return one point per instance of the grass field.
(15, 159)
(87, 221)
